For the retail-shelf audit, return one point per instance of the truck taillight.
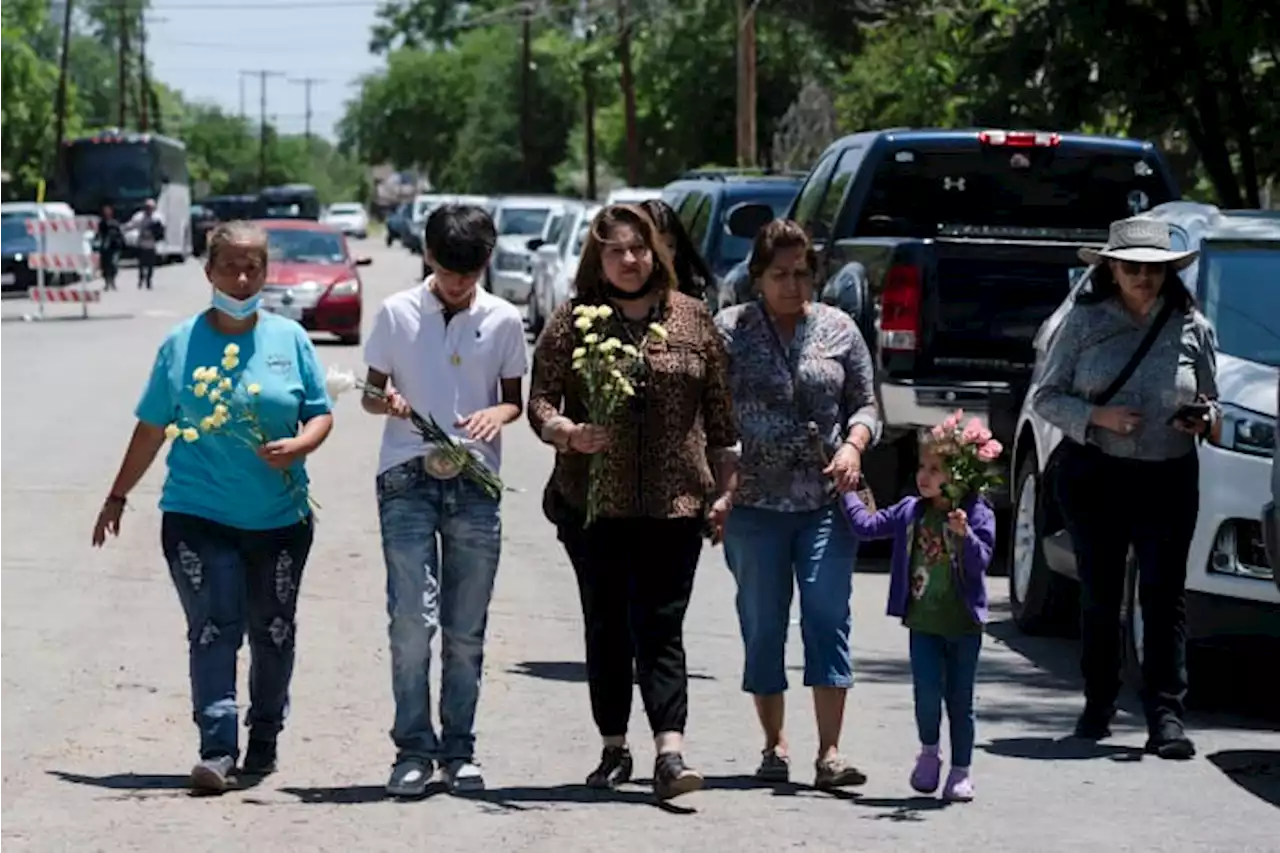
(900, 309)
(1019, 138)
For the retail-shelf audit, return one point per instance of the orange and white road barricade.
(64, 250)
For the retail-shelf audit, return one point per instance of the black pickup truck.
(950, 248)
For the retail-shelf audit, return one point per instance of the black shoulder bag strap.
(1148, 340)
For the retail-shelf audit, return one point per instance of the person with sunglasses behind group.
(1129, 379)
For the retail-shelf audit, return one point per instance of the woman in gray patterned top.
(1130, 474)
(800, 376)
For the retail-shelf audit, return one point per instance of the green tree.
(28, 90)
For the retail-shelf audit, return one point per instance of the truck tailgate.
(987, 302)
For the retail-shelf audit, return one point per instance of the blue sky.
(200, 47)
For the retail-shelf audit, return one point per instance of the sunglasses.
(1136, 267)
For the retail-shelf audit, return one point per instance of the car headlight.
(511, 262)
(349, 287)
(1244, 431)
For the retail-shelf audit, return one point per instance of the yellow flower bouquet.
(232, 401)
(609, 369)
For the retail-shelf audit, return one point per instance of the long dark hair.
(1103, 286)
(691, 270)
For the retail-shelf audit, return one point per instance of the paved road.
(97, 736)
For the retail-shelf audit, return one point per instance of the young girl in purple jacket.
(937, 586)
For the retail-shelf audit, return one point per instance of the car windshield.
(1241, 300)
(297, 246)
(13, 227)
(424, 206)
(229, 209)
(522, 220)
(344, 209)
(112, 170)
(580, 239)
(994, 191)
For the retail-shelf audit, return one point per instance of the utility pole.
(242, 112)
(60, 106)
(306, 83)
(262, 75)
(589, 123)
(122, 84)
(526, 91)
(144, 100)
(746, 123)
(628, 96)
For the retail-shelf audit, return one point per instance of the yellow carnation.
(190, 434)
(630, 350)
(231, 350)
(582, 323)
(590, 339)
(200, 389)
(172, 431)
(658, 331)
(214, 395)
(604, 312)
(579, 352)
(225, 384)
(254, 389)
(207, 423)
(230, 362)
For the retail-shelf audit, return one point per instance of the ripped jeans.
(231, 581)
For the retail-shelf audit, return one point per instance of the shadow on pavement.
(903, 809)
(524, 798)
(353, 795)
(134, 784)
(571, 671)
(1225, 692)
(1255, 770)
(1059, 749)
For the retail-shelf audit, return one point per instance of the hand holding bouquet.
(449, 458)
(609, 369)
(233, 411)
(968, 454)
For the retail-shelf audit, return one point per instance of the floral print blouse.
(796, 404)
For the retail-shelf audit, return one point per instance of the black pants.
(635, 576)
(1112, 504)
(146, 267)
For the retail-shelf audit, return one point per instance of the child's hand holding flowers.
(958, 521)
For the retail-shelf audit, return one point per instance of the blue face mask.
(236, 309)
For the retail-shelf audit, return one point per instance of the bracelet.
(116, 499)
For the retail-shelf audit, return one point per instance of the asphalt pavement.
(97, 731)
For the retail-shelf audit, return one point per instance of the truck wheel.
(1039, 597)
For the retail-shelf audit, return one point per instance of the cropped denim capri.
(771, 552)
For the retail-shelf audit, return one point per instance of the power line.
(307, 83)
(262, 74)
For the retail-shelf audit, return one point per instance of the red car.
(312, 277)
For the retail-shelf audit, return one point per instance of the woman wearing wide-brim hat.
(1129, 379)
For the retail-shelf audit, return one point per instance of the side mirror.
(363, 260)
(534, 244)
(746, 219)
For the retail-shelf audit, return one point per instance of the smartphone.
(1191, 413)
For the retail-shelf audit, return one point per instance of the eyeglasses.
(618, 252)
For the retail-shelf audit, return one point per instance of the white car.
(348, 217)
(520, 219)
(633, 195)
(1230, 589)
(555, 264)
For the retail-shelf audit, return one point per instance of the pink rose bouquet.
(969, 454)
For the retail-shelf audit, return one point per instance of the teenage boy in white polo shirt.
(457, 353)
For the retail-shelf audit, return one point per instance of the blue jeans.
(769, 552)
(944, 669)
(230, 581)
(441, 540)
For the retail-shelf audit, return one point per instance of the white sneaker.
(463, 776)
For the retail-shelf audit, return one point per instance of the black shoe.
(672, 777)
(614, 770)
(1094, 723)
(260, 758)
(1168, 739)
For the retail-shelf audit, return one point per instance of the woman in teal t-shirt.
(241, 394)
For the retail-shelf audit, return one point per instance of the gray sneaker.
(211, 775)
(463, 776)
(410, 777)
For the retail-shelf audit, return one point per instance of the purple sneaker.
(959, 787)
(924, 778)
